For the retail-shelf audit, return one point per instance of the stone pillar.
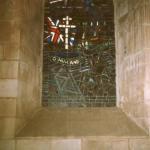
(132, 56)
(30, 14)
(21, 28)
(146, 45)
(9, 60)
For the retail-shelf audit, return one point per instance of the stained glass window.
(79, 53)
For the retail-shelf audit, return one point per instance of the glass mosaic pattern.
(79, 54)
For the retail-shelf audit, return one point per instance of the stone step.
(64, 122)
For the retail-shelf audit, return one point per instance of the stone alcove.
(22, 51)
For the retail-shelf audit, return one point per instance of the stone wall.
(132, 20)
(20, 63)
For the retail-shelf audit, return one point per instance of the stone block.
(7, 107)
(8, 88)
(147, 2)
(148, 112)
(123, 8)
(6, 5)
(146, 15)
(120, 145)
(10, 31)
(147, 59)
(148, 120)
(15, 36)
(1, 52)
(146, 36)
(70, 144)
(11, 51)
(134, 4)
(24, 73)
(96, 145)
(139, 144)
(32, 145)
(8, 69)
(7, 144)
(147, 79)
(7, 127)
(6, 31)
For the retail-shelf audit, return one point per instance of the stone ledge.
(80, 122)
